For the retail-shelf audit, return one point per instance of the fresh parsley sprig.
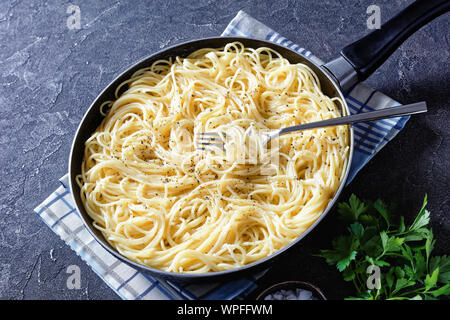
(402, 253)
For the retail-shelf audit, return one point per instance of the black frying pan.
(354, 64)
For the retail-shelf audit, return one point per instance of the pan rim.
(216, 274)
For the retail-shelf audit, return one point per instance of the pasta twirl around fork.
(163, 203)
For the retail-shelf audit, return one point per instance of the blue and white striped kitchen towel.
(59, 213)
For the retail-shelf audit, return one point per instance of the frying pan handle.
(367, 54)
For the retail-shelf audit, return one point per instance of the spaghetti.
(162, 202)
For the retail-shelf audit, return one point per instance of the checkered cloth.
(59, 213)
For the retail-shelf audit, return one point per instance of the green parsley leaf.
(382, 210)
(444, 290)
(422, 219)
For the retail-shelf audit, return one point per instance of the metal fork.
(214, 139)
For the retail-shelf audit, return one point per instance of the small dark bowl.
(292, 285)
(93, 118)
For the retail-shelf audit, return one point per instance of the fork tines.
(209, 139)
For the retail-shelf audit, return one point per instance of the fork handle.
(399, 111)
